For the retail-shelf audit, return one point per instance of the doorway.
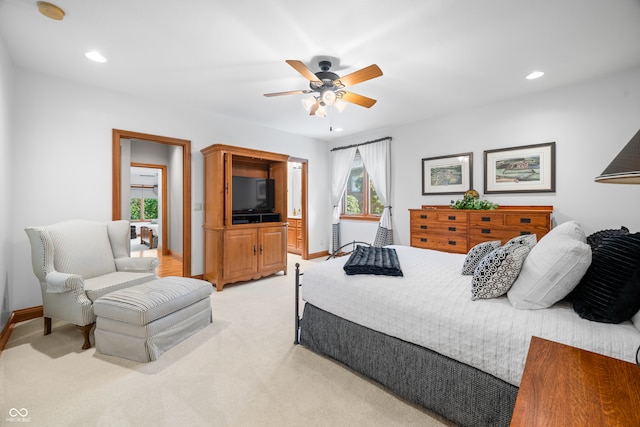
(121, 170)
(148, 202)
(297, 236)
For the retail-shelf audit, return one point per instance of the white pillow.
(553, 268)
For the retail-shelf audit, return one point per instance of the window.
(143, 204)
(360, 199)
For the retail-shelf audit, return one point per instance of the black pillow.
(595, 239)
(609, 292)
(373, 260)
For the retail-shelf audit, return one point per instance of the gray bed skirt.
(458, 392)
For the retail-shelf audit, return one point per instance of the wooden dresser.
(458, 230)
(566, 386)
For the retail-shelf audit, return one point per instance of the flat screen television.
(252, 195)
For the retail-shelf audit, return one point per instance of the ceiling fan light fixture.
(328, 97)
(307, 103)
(321, 111)
(340, 105)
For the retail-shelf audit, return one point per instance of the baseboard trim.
(318, 254)
(17, 317)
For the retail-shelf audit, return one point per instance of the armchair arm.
(64, 282)
(138, 265)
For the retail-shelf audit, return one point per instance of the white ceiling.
(437, 56)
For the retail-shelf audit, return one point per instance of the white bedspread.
(431, 306)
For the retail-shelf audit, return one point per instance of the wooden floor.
(169, 266)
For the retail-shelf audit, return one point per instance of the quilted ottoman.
(142, 322)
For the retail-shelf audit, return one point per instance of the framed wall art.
(447, 174)
(524, 169)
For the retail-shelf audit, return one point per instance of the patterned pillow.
(610, 290)
(526, 239)
(476, 254)
(496, 272)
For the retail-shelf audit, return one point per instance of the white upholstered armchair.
(79, 261)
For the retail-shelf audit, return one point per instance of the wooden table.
(567, 386)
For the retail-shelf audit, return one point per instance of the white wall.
(6, 184)
(590, 123)
(62, 142)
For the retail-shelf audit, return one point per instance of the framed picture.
(447, 174)
(525, 169)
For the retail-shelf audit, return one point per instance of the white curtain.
(377, 161)
(342, 160)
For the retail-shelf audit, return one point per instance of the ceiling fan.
(328, 88)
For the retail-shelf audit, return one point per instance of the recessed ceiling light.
(535, 75)
(95, 56)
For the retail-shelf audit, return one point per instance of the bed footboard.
(296, 340)
(458, 392)
(147, 237)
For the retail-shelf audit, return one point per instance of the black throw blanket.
(373, 260)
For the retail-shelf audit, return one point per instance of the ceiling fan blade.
(302, 69)
(354, 98)
(368, 73)
(291, 92)
(314, 108)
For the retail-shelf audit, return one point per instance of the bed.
(424, 338)
(149, 235)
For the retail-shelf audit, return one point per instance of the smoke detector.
(50, 10)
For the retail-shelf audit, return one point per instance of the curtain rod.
(362, 143)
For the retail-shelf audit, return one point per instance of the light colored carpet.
(243, 370)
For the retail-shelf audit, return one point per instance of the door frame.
(116, 206)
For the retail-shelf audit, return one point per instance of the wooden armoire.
(240, 246)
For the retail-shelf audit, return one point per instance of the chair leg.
(47, 325)
(85, 331)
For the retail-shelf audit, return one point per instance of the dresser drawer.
(423, 216)
(486, 219)
(527, 220)
(482, 234)
(448, 243)
(452, 217)
(437, 227)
